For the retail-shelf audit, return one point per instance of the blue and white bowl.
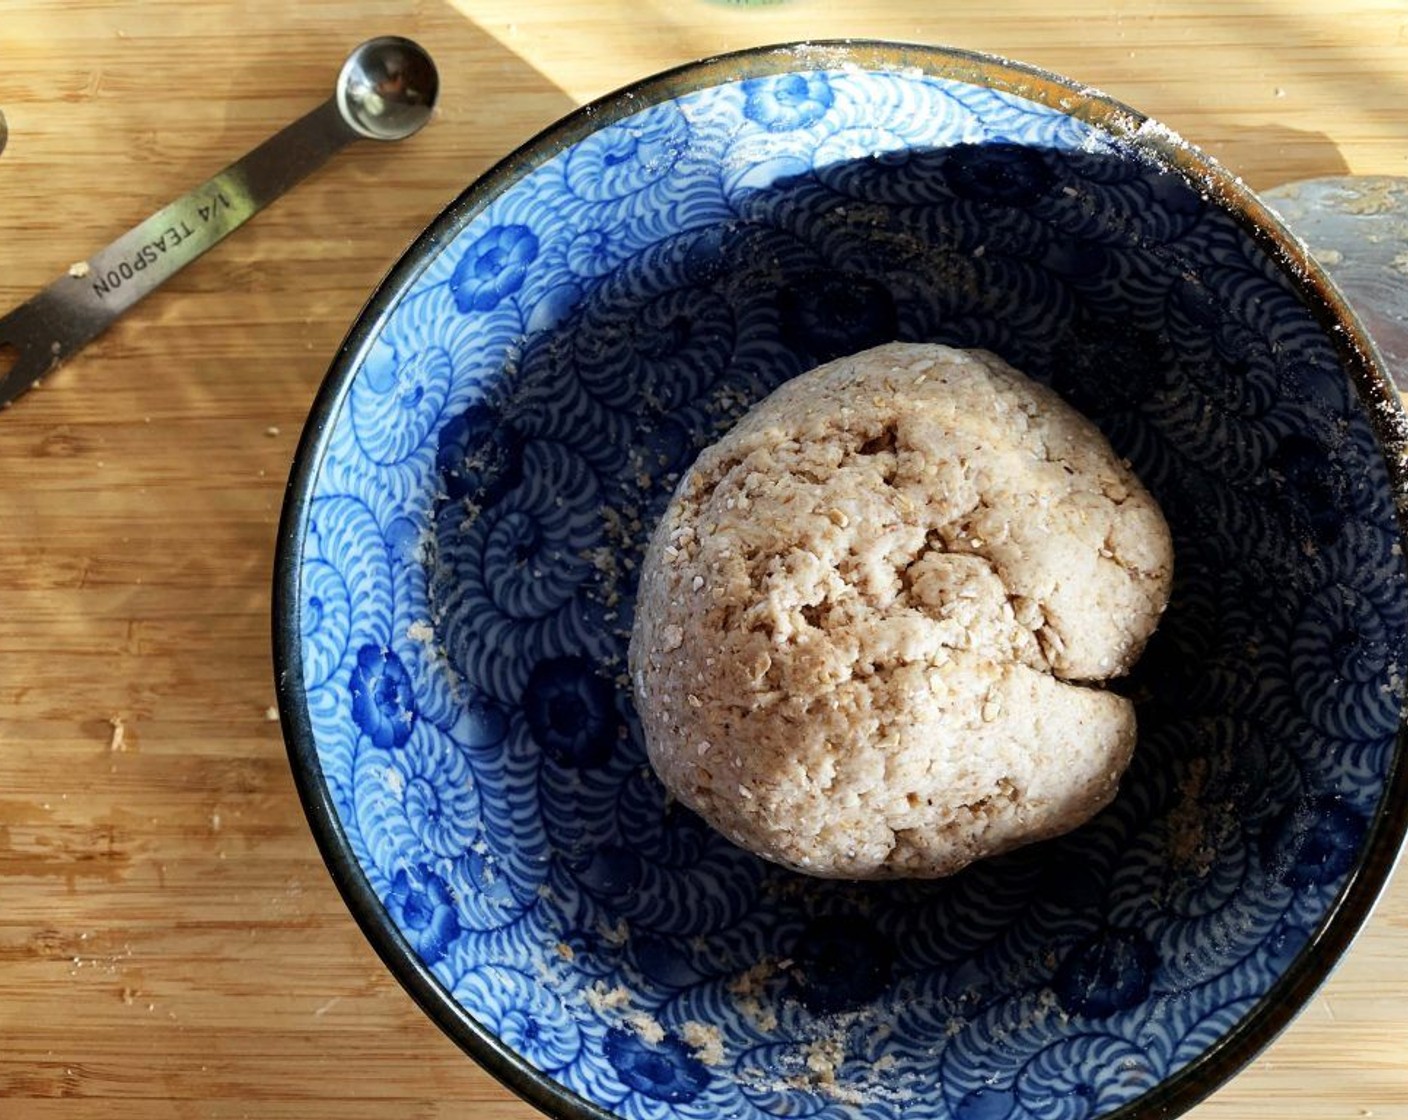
(472, 498)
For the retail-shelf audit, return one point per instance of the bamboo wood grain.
(170, 944)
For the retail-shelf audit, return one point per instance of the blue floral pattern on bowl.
(479, 504)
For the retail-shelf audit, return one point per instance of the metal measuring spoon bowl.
(386, 90)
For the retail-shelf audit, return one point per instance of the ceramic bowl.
(480, 473)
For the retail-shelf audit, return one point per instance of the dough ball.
(871, 624)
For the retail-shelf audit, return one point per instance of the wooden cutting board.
(170, 943)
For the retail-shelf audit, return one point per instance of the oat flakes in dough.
(863, 621)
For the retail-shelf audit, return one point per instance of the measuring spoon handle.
(77, 307)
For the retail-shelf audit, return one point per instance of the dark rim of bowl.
(1279, 1005)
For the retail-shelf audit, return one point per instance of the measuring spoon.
(1356, 226)
(385, 91)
